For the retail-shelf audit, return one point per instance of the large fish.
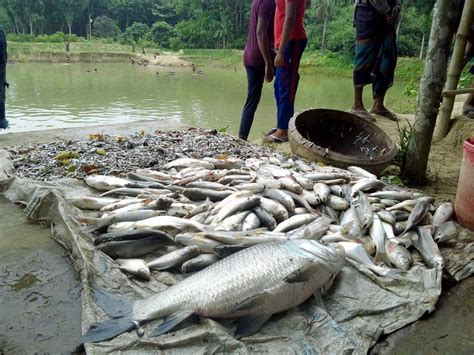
(252, 285)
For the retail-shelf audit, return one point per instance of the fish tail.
(119, 308)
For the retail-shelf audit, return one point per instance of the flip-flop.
(273, 139)
(364, 114)
(273, 130)
(387, 114)
(469, 112)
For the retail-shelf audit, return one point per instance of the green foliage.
(411, 89)
(161, 32)
(135, 34)
(58, 37)
(404, 136)
(105, 27)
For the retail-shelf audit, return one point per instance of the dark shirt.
(252, 55)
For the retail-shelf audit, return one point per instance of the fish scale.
(216, 290)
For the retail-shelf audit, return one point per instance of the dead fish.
(233, 222)
(322, 191)
(377, 207)
(168, 223)
(377, 233)
(443, 213)
(364, 211)
(251, 222)
(446, 231)
(427, 247)
(291, 185)
(136, 267)
(398, 255)
(365, 185)
(302, 202)
(337, 203)
(105, 221)
(256, 187)
(295, 222)
(131, 235)
(226, 164)
(388, 203)
(387, 217)
(239, 205)
(279, 212)
(304, 182)
(198, 263)
(311, 197)
(266, 219)
(300, 210)
(281, 197)
(206, 245)
(120, 203)
(393, 195)
(105, 183)
(127, 249)
(198, 194)
(175, 258)
(314, 230)
(399, 227)
(91, 202)
(388, 230)
(232, 178)
(328, 211)
(361, 172)
(401, 216)
(189, 163)
(207, 185)
(128, 191)
(417, 215)
(321, 177)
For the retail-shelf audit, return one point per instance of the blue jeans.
(286, 82)
(255, 78)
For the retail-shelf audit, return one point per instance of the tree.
(431, 87)
(223, 29)
(105, 27)
(323, 10)
(161, 32)
(70, 9)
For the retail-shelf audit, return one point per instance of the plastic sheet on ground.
(356, 311)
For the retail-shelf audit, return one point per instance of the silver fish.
(388, 203)
(322, 191)
(314, 230)
(206, 245)
(281, 197)
(377, 233)
(364, 210)
(105, 183)
(446, 231)
(387, 216)
(289, 184)
(266, 219)
(208, 185)
(238, 205)
(398, 255)
(417, 215)
(393, 195)
(198, 263)
(91, 202)
(196, 194)
(136, 267)
(279, 212)
(361, 172)
(427, 247)
(228, 163)
(321, 177)
(127, 249)
(189, 163)
(120, 203)
(105, 221)
(300, 210)
(233, 222)
(295, 222)
(131, 235)
(251, 222)
(443, 213)
(365, 185)
(304, 182)
(337, 203)
(256, 187)
(175, 258)
(235, 287)
(165, 223)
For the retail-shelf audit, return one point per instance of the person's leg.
(255, 79)
(358, 99)
(287, 86)
(3, 120)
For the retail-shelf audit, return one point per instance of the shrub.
(161, 32)
(105, 27)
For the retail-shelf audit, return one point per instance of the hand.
(279, 60)
(269, 73)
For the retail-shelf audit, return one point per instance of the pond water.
(44, 96)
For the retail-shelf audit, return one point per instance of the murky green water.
(46, 96)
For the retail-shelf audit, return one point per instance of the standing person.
(258, 59)
(290, 41)
(3, 80)
(376, 53)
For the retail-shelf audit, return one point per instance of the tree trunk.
(455, 68)
(31, 26)
(431, 87)
(422, 47)
(323, 42)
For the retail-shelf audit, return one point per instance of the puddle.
(26, 281)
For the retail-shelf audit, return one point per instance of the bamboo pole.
(455, 68)
(431, 87)
(453, 93)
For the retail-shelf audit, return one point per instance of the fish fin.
(302, 274)
(108, 329)
(250, 325)
(250, 302)
(115, 306)
(171, 322)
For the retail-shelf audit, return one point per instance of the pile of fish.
(114, 155)
(194, 212)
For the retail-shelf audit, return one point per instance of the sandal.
(273, 130)
(274, 139)
(364, 114)
(469, 112)
(387, 114)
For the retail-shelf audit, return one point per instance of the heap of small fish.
(195, 212)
